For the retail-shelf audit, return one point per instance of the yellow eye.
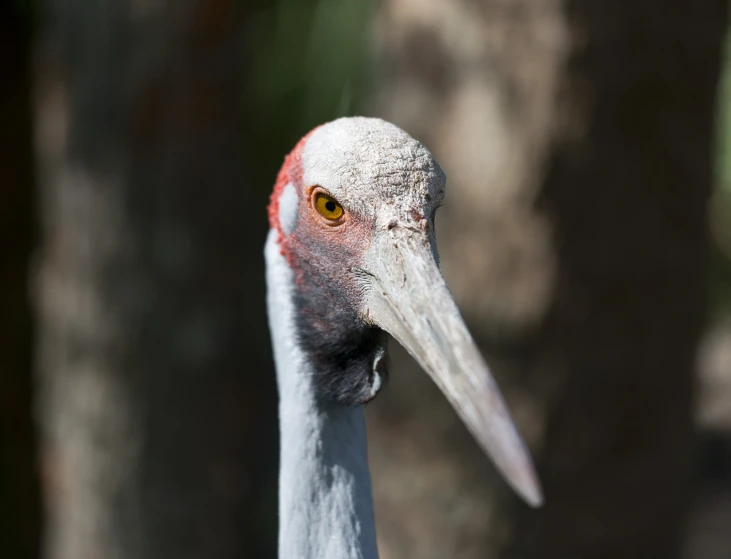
(328, 208)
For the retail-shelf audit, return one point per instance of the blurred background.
(586, 236)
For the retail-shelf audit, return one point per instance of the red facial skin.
(291, 172)
(330, 248)
(323, 255)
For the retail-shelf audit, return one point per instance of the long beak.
(410, 300)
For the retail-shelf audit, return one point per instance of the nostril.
(416, 215)
(392, 224)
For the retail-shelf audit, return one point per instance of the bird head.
(353, 208)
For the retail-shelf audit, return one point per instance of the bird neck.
(325, 501)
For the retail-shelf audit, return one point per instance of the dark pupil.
(330, 206)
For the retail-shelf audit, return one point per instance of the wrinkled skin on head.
(383, 179)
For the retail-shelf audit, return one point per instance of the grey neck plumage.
(325, 502)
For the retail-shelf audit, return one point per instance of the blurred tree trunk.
(577, 139)
(154, 364)
(19, 496)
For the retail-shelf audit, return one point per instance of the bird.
(351, 258)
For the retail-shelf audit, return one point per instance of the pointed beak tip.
(411, 301)
(534, 496)
(529, 489)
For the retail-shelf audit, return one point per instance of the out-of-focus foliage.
(724, 124)
(308, 67)
(721, 202)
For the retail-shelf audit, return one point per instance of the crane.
(351, 256)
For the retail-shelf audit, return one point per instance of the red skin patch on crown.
(291, 172)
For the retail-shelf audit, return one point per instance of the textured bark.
(19, 495)
(577, 141)
(157, 398)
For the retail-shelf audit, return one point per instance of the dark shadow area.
(20, 512)
(630, 201)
